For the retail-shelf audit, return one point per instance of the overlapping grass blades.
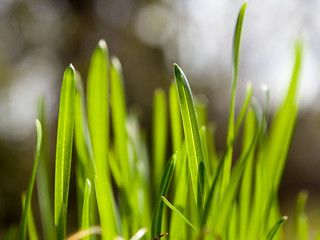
(64, 151)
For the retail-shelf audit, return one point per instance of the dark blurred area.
(40, 38)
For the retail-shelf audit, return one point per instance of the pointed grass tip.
(264, 87)
(177, 70)
(102, 44)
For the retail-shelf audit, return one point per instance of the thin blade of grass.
(175, 117)
(246, 185)
(177, 229)
(178, 213)
(235, 70)
(85, 223)
(139, 234)
(44, 186)
(192, 135)
(64, 151)
(298, 212)
(27, 204)
(159, 136)
(275, 228)
(32, 231)
(164, 186)
(98, 122)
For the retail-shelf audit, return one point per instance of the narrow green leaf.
(64, 150)
(298, 213)
(175, 117)
(26, 210)
(139, 234)
(201, 102)
(164, 186)
(44, 184)
(98, 107)
(246, 185)
(159, 136)
(32, 231)
(192, 134)
(235, 70)
(178, 213)
(98, 123)
(275, 228)
(86, 208)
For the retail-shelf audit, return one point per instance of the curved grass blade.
(159, 136)
(275, 228)
(43, 179)
(27, 204)
(64, 151)
(192, 135)
(176, 125)
(139, 234)
(164, 186)
(235, 70)
(85, 223)
(178, 213)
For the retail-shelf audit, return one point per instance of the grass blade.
(235, 70)
(64, 150)
(32, 231)
(11, 233)
(85, 223)
(275, 228)
(192, 134)
(175, 117)
(178, 213)
(164, 186)
(44, 186)
(27, 204)
(159, 136)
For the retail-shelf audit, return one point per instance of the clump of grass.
(210, 198)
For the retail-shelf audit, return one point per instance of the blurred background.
(40, 38)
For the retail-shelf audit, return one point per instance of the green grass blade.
(98, 122)
(32, 231)
(275, 228)
(27, 204)
(201, 102)
(246, 185)
(159, 136)
(177, 229)
(98, 106)
(43, 179)
(139, 234)
(235, 70)
(178, 213)
(303, 232)
(85, 223)
(64, 151)
(299, 209)
(119, 115)
(175, 117)
(192, 134)
(164, 186)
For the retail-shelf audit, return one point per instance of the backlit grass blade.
(175, 117)
(98, 122)
(85, 223)
(299, 217)
(27, 205)
(43, 179)
(159, 136)
(192, 134)
(275, 228)
(177, 229)
(119, 115)
(178, 213)
(201, 102)
(303, 232)
(164, 186)
(98, 105)
(64, 151)
(235, 70)
(246, 185)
